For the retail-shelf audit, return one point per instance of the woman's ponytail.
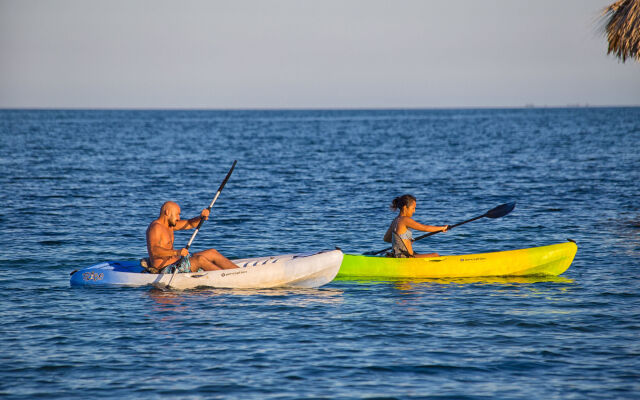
(402, 201)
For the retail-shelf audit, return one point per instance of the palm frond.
(622, 28)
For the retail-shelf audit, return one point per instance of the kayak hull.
(289, 270)
(546, 260)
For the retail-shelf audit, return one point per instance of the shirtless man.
(163, 257)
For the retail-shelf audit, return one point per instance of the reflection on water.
(166, 297)
(410, 283)
(275, 296)
(177, 311)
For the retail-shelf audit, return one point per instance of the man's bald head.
(171, 210)
(168, 207)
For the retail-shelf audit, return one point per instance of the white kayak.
(289, 270)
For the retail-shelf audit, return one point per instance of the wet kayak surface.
(80, 187)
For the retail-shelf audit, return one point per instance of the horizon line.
(524, 107)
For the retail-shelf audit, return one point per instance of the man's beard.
(172, 223)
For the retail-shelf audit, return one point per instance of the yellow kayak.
(545, 260)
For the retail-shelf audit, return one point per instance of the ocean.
(80, 186)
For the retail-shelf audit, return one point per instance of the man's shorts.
(182, 265)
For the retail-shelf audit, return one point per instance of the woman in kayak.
(399, 232)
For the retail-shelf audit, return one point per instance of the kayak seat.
(148, 269)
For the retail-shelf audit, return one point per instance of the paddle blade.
(501, 210)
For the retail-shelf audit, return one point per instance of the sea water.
(80, 187)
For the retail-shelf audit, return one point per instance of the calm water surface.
(79, 187)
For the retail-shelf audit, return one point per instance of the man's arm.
(191, 223)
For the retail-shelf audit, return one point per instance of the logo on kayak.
(473, 259)
(232, 273)
(92, 276)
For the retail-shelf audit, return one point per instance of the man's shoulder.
(156, 226)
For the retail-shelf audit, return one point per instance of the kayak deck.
(545, 260)
(289, 270)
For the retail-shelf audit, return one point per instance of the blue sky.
(308, 54)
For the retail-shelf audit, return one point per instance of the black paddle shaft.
(224, 182)
(496, 212)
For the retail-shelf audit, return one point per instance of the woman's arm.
(410, 223)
